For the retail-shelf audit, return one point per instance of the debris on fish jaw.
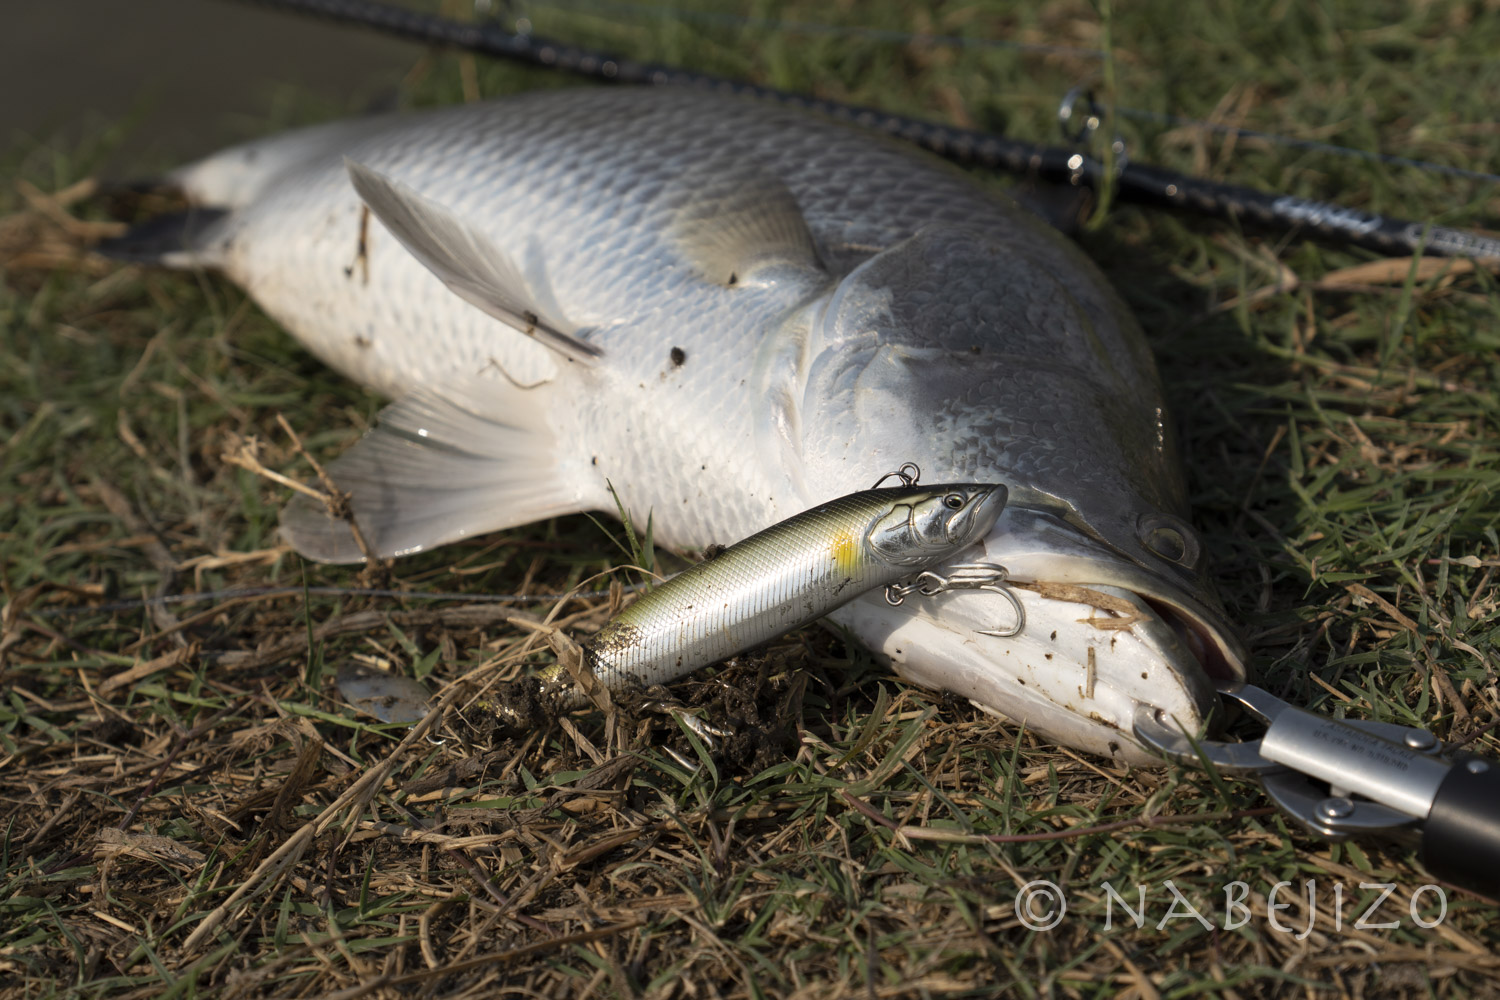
(1101, 636)
(1038, 548)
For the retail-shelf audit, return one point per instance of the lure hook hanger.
(989, 577)
(909, 473)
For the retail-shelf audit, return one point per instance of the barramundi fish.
(731, 312)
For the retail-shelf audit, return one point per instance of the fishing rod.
(1131, 181)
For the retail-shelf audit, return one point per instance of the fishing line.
(1134, 181)
(897, 37)
(885, 35)
(277, 591)
(1390, 159)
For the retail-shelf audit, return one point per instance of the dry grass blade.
(146, 668)
(352, 801)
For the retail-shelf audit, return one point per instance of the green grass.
(1340, 443)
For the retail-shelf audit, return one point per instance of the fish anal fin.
(738, 231)
(439, 467)
(466, 261)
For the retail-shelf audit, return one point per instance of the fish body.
(790, 575)
(731, 312)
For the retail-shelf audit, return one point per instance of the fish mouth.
(1044, 553)
(1102, 636)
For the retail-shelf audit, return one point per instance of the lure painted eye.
(953, 501)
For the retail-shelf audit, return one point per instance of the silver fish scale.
(778, 579)
(777, 399)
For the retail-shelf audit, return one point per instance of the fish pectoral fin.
(737, 231)
(441, 466)
(465, 260)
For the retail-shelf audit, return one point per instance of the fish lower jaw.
(1054, 560)
(1069, 677)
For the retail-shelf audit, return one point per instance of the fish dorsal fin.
(466, 261)
(738, 229)
(480, 455)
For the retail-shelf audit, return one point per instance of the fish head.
(1081, 639)
(936, 521)
(985, 355)
(1074, 673)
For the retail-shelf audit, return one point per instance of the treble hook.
(963, 576)
(908, 474)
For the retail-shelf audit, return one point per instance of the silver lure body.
(789, 575)
(749, 310)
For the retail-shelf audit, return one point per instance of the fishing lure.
(784, 577)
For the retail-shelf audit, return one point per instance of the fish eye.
(954, 501)
(1167, 543)
(1169, 539)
